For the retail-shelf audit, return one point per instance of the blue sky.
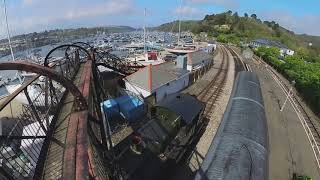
(301, 16)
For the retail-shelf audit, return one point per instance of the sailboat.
(146, 58)
(34, 90)
(180, 49)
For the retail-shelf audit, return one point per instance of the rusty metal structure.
(57, 131)
(108, 60)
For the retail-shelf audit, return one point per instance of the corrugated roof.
(240, 147)
(140, 78)
(185, 105)
(198, 57)
(160, 75)
(211, 42)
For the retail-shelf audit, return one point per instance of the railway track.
(309, 126)
(239, 64)
(210, 94)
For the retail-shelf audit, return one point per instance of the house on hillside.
(158, 80)
(284, 50)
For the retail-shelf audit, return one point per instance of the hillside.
(230, 27)
(174, 26)
(76, 32)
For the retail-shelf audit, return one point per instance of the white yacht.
(149, 58)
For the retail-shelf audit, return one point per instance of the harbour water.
(117, 41)
(11, 76)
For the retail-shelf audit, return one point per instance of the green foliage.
(222, 38)
(254, 16)
(247, 29)
(252, 28)
(228, 38)
(185, 26)
(306, 74)
(304, 67)
(271, 55)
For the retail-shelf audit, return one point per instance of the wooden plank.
(71, 130)
(82, 148)
(69, 159)
(53, 167)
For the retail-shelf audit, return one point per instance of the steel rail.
(219, 87)
(307, 123)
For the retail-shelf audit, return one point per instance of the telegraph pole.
(180, 23)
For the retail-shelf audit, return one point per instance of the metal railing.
(34, 106)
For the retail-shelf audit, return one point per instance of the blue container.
(111, 107)
(130, 107)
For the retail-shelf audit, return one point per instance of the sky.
(24, 16)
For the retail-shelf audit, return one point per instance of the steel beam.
(81, 102)
(9, 98)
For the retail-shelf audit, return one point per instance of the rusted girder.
(81, 103)
(46, 60)
(16, 92)
(83, 44)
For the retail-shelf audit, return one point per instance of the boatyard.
(223, 97)
(140, 104)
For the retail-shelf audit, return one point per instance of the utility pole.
(289, 93)
(144, 31)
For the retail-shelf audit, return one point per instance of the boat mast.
(180, 23)
(8, 32)
(144, 31)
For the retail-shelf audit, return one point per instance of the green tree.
(253, 16)
(236, 17)
(222, 38)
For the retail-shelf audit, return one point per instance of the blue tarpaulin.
(129, 107)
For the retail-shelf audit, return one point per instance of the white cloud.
(107, 8)
(224, 3)
(309, 24)
(187, 11)
(37, 15)
(27, 2)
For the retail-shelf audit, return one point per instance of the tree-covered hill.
(231, 27)
(187, 25)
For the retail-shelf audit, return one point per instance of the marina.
(159, 90)
(133, 115)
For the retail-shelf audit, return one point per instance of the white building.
(284, 50)
(198, 59)
(158, 80)
(212, 44)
